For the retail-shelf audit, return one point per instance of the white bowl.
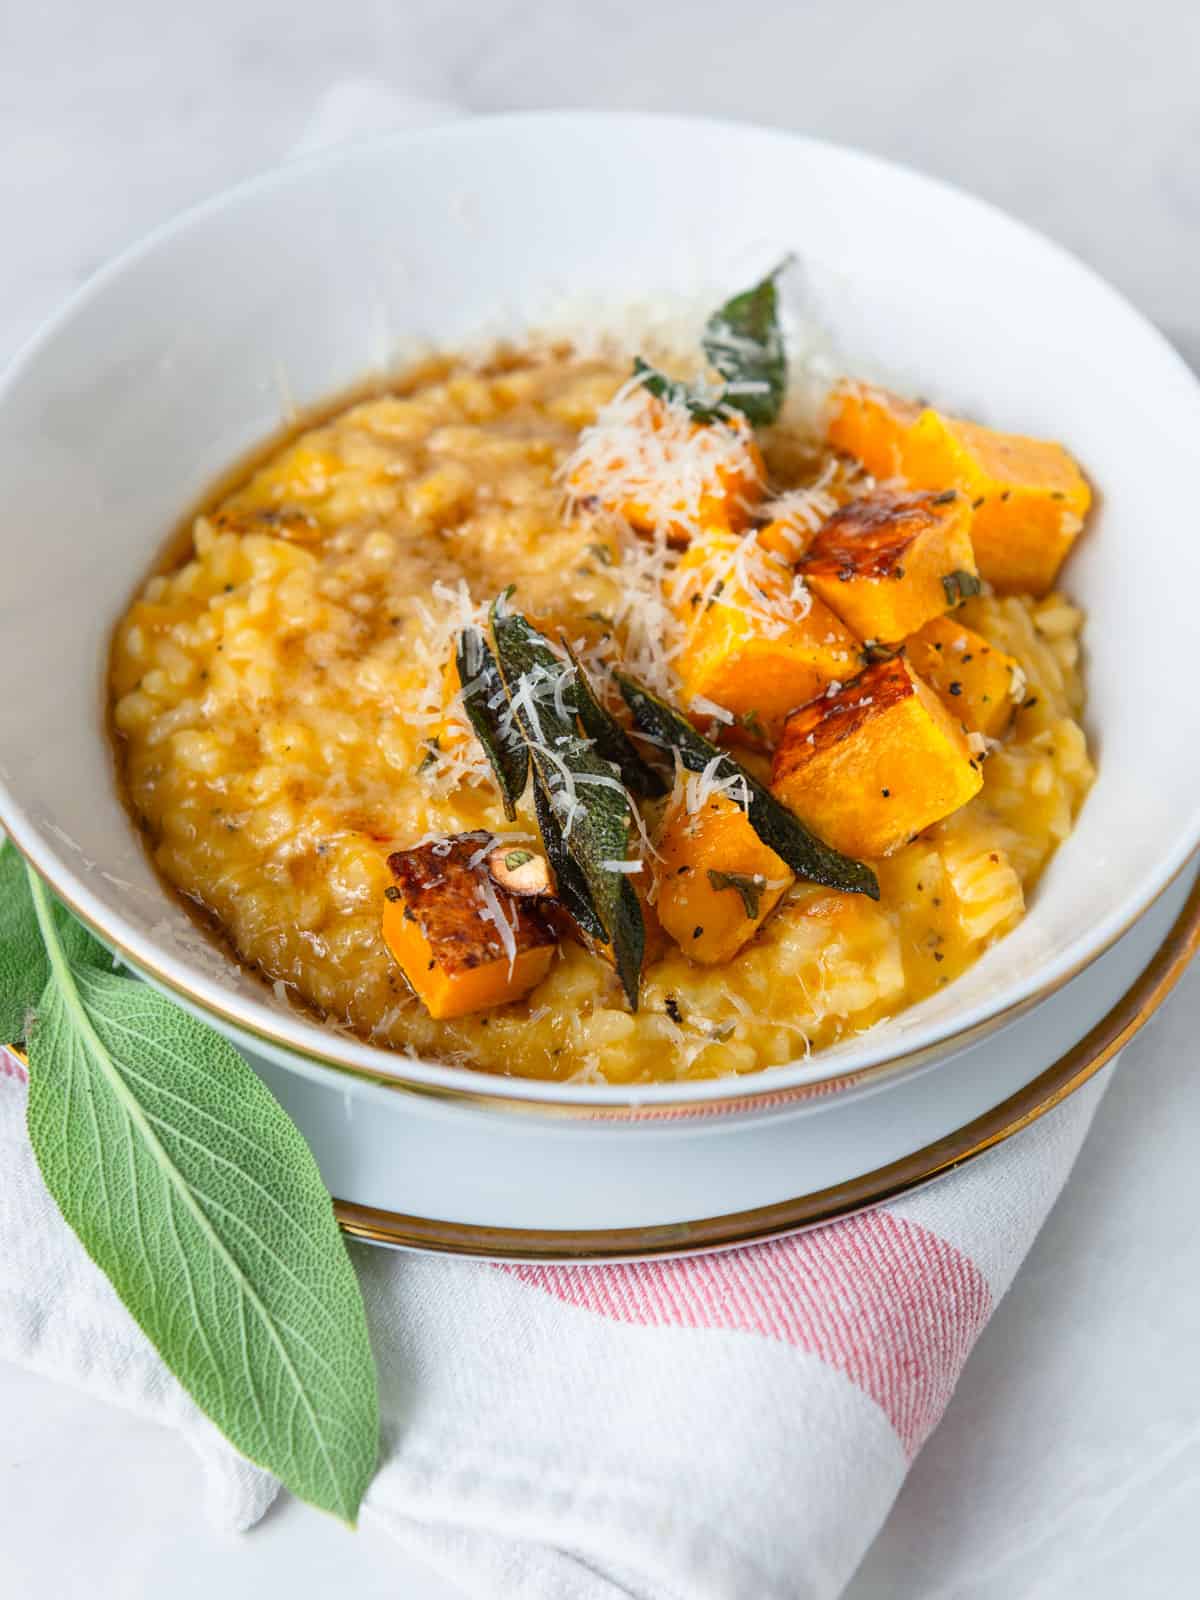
(177, 358)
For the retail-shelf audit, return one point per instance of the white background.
(1068, 1464)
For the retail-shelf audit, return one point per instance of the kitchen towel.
(732, 1427)
(729, 1426)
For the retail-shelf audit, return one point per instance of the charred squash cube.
(978, 683)
(758, 641)
(872, 425)
(463, 942)
(888, 562)
(717, 881)
(1028, 495)
(875, 763)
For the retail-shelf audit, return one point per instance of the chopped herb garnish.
(753, 723)
(775, 825)
(873, 652)
(750, 888)
(959, 586)
(429, 759)
(517, 858)
(602, 554)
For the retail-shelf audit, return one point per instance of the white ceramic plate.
(171, 363)
(505, 1188)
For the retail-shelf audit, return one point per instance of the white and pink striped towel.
(730, 1426)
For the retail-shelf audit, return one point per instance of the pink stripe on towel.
(883, 1300)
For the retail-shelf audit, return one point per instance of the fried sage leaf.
(703, 407)
(775, 825)
(582, 790)
(743, 341)
(571, 884)
(609, 738)
(198, 1199)
(485, 704)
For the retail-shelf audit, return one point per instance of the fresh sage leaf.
(582, 790)
(750, 888)
(609, 738)
(743, 341)
(24, 964)
(198, 1198)
(774, 824)
(485, 703)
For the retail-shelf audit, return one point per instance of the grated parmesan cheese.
(649, 455)
(493, 912)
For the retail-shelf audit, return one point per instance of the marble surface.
(1068, 1464)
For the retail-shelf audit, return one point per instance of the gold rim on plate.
(1070, 1072)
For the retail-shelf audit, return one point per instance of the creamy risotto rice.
(284, 723)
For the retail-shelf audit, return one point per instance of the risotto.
(581, 726)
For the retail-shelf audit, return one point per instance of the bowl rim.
(299, 1036)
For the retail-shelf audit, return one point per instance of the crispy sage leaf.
(609, 738)
(570, 882)
(703, 407)
(775, 825)
(484, 702)
(197, 1197)
(597, 829)
(744, 343)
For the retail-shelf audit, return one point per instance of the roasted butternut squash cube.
(717, 881)
(887, 563)
(786, 539)
(871, 424)
(799, 514)
(1028, 496)
(872, 765)
(656, 466)
(977, 682)
(463, 942)
(758, 641)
